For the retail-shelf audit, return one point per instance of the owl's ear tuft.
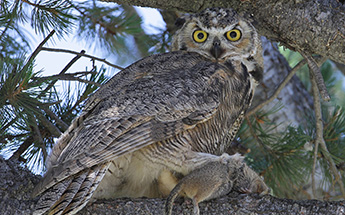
(180, 21)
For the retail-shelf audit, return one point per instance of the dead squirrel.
(216, 179)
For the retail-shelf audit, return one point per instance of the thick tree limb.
(314, 26)
(17, 183)
(233, 204)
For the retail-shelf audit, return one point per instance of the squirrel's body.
(215, 179)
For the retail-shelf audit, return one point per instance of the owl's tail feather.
(86, 190)
(71, 194)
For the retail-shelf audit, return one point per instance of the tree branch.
(241, 204)
(63, 71)
(313, 181)
(24, 146)
(40, 80)
(59, 121)
(49, 125)
(37, 50)
(83, 55)
(17, 183)
(10, 137)
(315, 69)
(279, 88)
(314, 26)
(319, 133)
(69, 77)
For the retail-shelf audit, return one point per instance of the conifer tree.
(34, 112)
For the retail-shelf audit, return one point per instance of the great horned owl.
(161, 117)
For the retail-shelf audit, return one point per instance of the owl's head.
(216, 33)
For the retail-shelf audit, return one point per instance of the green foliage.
(29, 111)
(285, 158)
(333, 78)
(334, 135)
(10, 16)
(116, 28)
(278, 156)
(51, 15)
(34, 112)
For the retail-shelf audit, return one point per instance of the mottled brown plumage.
(167, 113)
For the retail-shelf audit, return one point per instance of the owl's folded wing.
(145, 103)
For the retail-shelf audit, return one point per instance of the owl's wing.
(152, 100)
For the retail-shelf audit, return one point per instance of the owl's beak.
(216, 50)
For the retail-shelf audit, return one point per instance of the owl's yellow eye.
(199, 36)
(233, 35)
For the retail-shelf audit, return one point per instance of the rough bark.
(16, 184)
(231, 204)
(313, 26)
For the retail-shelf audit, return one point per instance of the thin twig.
(59, 121)
(51, 103)
(37, 50)
(63, 71)
(319, 133)
(313, 185)
(22, 148)
(83, 55)
(81, 74)
(49, 125)
(252, 132)
(279, 88)
(71, 78)
(68, 76)
(84, 73)
(315, 69)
